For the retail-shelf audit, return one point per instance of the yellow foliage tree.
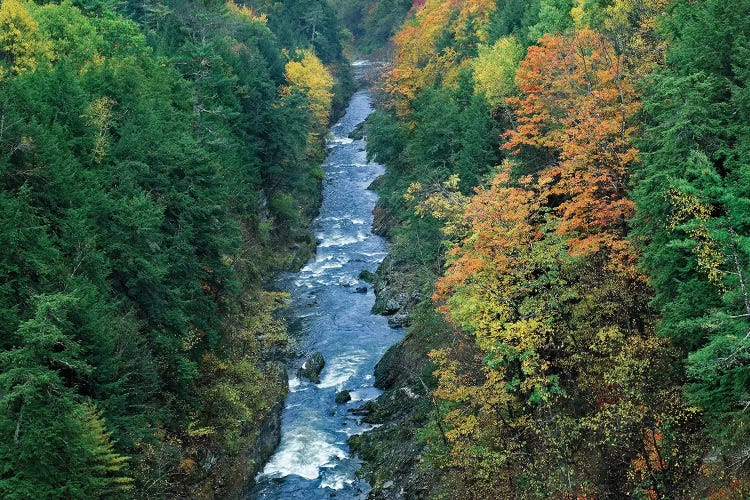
(421, 61)
(246, 13)
(495, 70)
(21, 46)
(632, 25)
(310, 77)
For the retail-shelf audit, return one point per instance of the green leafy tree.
(137, 162)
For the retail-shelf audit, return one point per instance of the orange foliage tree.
(556, 376)
(423, 57)
(579, 106)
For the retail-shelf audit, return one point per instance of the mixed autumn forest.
(567, 196)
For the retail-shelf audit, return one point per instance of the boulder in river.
(362, 411)
(392, 306)
(361, 289)
(312, 367)
(343, 397)
(367, 276)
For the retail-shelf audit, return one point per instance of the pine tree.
(693, 204)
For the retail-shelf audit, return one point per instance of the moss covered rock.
(343, 397)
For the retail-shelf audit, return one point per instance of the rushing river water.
(328, 315)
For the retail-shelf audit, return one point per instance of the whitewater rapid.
(328, 314)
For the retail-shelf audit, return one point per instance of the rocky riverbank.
(393, 451)
(268, 435)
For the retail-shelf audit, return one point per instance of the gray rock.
(391, 306)
(383, 220)
(269, 433)
(399, 320)
(367, 276)
(361, 289)
(312, 367)
(362, 411)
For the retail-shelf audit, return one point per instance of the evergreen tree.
(693, 205)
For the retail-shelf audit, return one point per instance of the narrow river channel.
(328, 314)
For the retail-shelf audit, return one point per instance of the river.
(327, 314)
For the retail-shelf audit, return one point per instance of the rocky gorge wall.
(393, 451)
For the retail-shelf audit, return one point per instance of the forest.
(158, 163)
(566, 196)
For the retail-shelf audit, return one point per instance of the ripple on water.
(341, 369)
(295, 385)
(318, 267)
(339, 141)
(335, 480)
(364, 394)
(341, 240)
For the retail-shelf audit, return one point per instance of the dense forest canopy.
(567, 187)
(158, 161)
(567, 195)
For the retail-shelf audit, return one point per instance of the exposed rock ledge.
(311, 367)
(395, 294)
(268, 434)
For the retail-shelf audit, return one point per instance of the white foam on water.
(320, 266)
(303, 282)
(364, 394)
(303, 451)
(338, 240)
(339, 141)
(336, 481)
(374, 254)
(326, 282)
(357, 429)
(357, 164)
(326, 266)
(341, 369)
(358, 222)
(353, 431)
(294, 385)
